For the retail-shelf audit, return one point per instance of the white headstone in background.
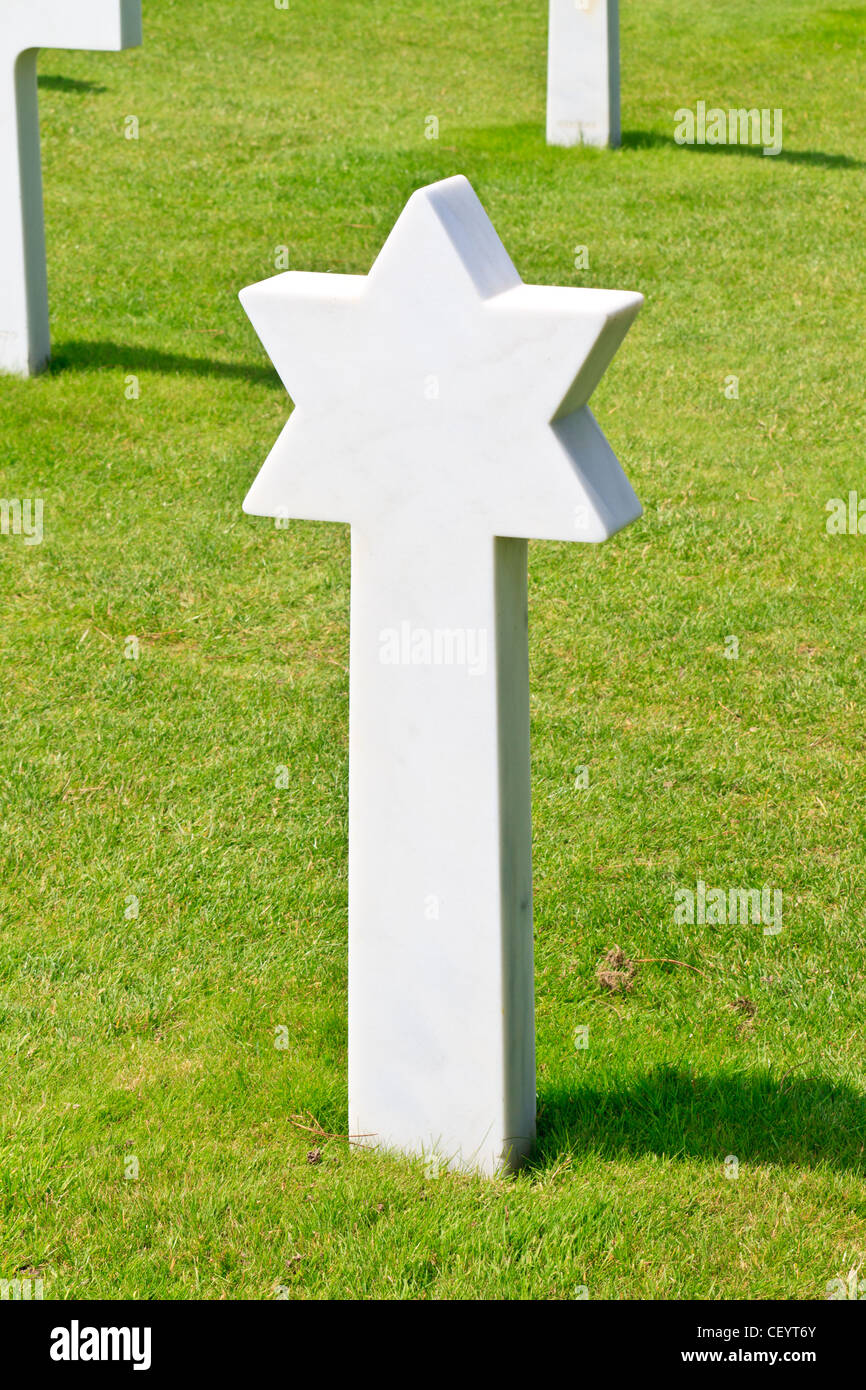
(583, 73)
(25, 27)
(441, 409)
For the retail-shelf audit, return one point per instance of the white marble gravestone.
(25, 27)
(583, 73)
(441, 409)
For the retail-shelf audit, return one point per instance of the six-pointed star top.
(440, 389)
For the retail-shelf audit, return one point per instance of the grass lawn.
(166, 908)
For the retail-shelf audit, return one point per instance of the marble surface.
(25, 27)
(583, 73)
(441, 408)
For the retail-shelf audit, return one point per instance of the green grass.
(154, 1035)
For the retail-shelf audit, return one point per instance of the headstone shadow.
(77, 355)
(676, 1113)
(653, 139)
(48, 82)
(525, 140)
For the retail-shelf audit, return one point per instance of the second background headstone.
(583, 73)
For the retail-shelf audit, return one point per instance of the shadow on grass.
(86, 356)
(803, 1120)
(68, 84)
(526, 140)
(652, 140)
